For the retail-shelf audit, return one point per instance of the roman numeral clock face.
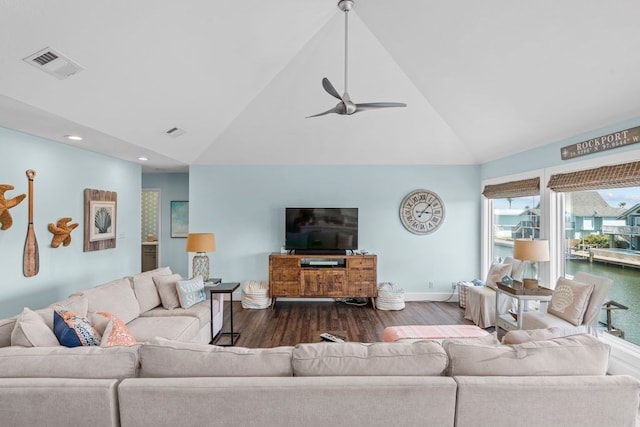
(422, 212)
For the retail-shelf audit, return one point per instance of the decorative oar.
(31, 258)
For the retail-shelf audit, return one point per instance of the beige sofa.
(136, 301)
(473, 382)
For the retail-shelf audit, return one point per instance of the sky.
(613, 196)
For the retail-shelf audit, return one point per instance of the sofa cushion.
(522, 336)
(6, 329)
(180, 328)
(145, 288)
(190, 292)
(63, 362)
(73, 331)
(570, 299)
(572, 355)
(496, 273)
(201, 311)
(31, 331)
(377, 359)
(166, 286)
(115, 297)
(165, 358)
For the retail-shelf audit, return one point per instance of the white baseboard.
(412, 296)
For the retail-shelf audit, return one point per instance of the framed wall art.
(100, 214)
(179, 218)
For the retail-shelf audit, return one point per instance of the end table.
(223, 288)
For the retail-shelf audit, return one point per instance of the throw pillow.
(74, 331)
(517, 267)
(496, 273)
(31, 331)
(167, 289)
(116, 332)
(569, 300)
(190, 292)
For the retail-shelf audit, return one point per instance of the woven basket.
(255, 294)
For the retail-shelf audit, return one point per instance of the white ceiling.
(482, 79)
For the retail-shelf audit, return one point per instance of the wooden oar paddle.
(31, 258)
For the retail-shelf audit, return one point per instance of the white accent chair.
(543, 320)
(481, 300)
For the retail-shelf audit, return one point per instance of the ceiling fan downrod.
(346, 6)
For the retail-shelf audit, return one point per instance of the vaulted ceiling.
(482, 79)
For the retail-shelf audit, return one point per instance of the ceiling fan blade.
(335, 109)
(326, 84)
(375, 105)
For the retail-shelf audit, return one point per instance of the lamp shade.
(201, 242)
(531, 250)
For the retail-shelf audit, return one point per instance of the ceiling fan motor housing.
(345, 5)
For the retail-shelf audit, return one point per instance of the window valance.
(615, 176)
(522, 188)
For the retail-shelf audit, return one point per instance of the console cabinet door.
(312, 282)
(335, 283)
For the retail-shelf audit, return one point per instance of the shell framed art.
(100, 214)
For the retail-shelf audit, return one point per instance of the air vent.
(54, 63)
(175, 132)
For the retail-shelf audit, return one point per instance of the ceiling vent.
(54, 63)
(175, 132)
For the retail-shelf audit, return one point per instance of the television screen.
(321, 228)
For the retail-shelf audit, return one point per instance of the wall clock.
(422, 212)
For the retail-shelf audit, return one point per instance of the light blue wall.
(62, 174)
(549, 155)
(244, 207)
(172, 186)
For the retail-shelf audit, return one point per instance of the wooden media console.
(328, 276)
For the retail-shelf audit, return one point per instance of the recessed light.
(73, 137)
(143, 159)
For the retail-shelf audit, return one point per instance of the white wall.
(244, 207)
(172, 186)
(63, 172)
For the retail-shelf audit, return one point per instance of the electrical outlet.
(430, 285)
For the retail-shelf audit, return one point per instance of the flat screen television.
(321, 229)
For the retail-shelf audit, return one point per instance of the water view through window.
(601, 235)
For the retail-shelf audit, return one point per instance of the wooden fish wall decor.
(61, 232)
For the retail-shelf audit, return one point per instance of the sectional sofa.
(474, 382)
(140, 301)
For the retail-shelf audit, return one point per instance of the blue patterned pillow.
(191, 292)
(73, 330)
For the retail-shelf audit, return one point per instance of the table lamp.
(200, 243)
(531, 251)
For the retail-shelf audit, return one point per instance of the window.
(514, 218)
(601, 236)
(515, 214)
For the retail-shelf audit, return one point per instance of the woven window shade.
(616, 176)
(522, 188)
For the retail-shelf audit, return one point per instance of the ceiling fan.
(346, 106)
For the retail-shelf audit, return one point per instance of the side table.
(224, 288)
(522, 296)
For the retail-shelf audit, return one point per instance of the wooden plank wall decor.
(602, 143)
(100, 208)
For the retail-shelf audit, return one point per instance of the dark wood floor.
(293, 322)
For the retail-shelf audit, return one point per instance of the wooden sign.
(601, 143)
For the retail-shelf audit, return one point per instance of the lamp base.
(201, 266)
(530, 283)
